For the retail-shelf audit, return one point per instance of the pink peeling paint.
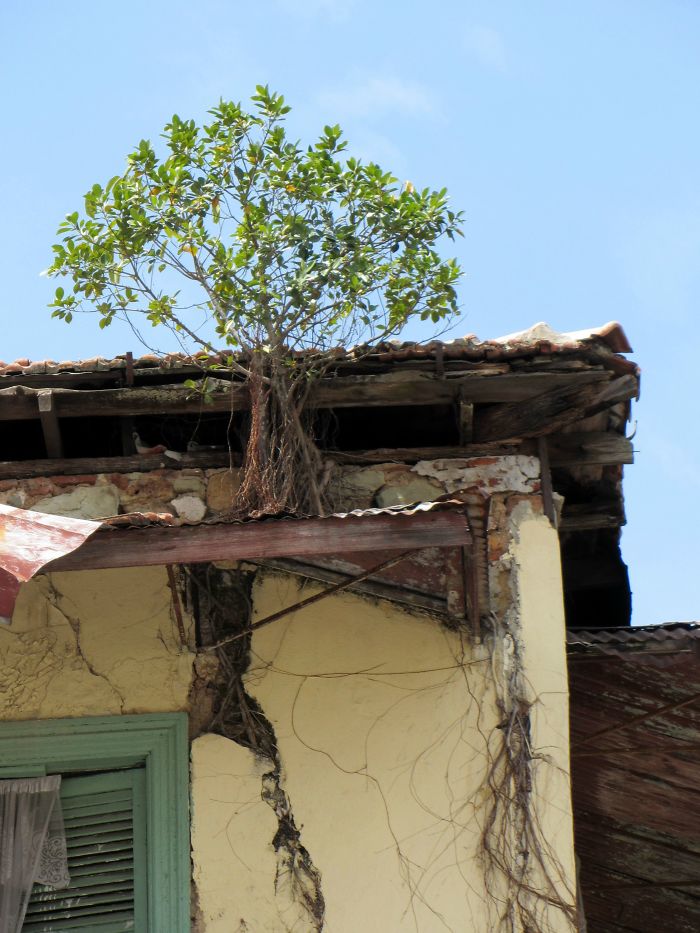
(28, 541)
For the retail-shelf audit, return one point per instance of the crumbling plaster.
(193, 494)
(93, 643)
(383, 718)
(378, 716)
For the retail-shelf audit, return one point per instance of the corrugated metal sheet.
(147, 519)
(635, 768)
(28, 541)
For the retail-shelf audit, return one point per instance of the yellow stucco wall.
(93, 643)
(379, 718)
(542, 635)
(382, 720)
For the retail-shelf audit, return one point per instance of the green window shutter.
(105, 819)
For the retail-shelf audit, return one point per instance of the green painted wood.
(156, 741)
(105, 817)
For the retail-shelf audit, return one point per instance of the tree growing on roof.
(242, 237)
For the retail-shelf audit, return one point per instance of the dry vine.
(221, 604)
(513, 842)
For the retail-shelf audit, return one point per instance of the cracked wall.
(93, 643)
(380, 717)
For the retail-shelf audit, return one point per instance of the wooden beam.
(18, 403)
(465, 418)
(154, 545)
(89, 466)
(413, 389)
(49, 423)
(592, 516)
(383, 589)
(546, 481)
(414, 454)
(581, 448)
(551, 410)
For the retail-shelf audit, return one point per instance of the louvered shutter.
(105, 817)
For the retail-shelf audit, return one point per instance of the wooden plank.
(414, 454)
(551, 410)
(455, 575)
(89, 466)
(49, 423)
(132, 547)
(580, 448)
(546, 481)
(19, 403)
(465, 418)
(591, 517)
(412, 389)
(382, 589)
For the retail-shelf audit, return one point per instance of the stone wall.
(193, 494)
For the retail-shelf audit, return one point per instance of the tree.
(240, 236)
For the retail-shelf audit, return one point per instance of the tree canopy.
(239, 236)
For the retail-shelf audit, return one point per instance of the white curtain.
(32, 844)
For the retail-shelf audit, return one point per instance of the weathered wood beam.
(89, 466)
(592, 516)
(551, 410)
(132, 547)
(414, 454)
(581, 448)
(575, 449)
(19, 402)
(465, 418)
(49, 423)
(412, 389)
(546, 481)
(384, 589)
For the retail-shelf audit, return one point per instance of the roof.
(541, 339)
(635, 726)
(32, 541)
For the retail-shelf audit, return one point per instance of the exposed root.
(239, 717)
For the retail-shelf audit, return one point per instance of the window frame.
(157, 741)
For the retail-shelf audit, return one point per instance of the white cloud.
(486, 44)
(375, 96)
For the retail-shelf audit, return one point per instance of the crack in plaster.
(297, 882)
(54, 598)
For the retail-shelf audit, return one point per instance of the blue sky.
(568, 133)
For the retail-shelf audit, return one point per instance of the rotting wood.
(310, 600)
(18, 402)
(414, 454)
(546, 482)
(381, 589)
(579, 448)
(565, 450)
(455, 574)
(551, 410)
(156, 545)
(465, 418)
(49, 423)
(89, 466)
(636, 720)
(372, 391)
(592, 516)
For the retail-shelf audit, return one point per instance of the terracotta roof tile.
(539, 340)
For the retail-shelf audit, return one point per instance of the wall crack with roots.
(222, 606)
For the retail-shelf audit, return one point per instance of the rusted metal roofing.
(537, 340)
(635, 746)
(28, 541)
(146, 519)
(31, 540)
